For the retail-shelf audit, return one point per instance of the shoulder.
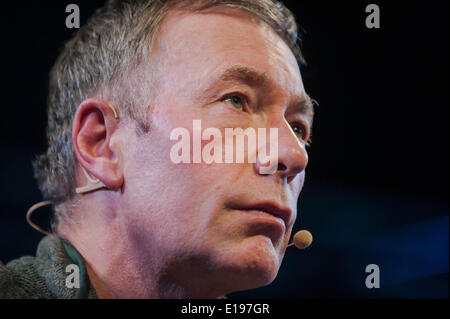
(28, 277)
(45, 276)
(19, 279)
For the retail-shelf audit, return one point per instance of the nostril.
(282, 167)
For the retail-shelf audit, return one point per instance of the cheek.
(186, 196)
(178, 194)
(297, 184)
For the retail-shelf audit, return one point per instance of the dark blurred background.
(377, 180)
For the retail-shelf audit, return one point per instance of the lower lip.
(259, 216)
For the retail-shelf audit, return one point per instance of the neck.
(100, 288)
(118, 266)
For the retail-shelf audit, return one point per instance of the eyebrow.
(253, 78)
(246, 75)
(305, 105)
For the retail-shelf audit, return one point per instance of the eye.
(299, 130)
(236, 101)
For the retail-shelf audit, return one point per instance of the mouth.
(269, 207)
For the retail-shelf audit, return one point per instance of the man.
(137, 224)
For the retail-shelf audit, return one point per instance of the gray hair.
(103, 59)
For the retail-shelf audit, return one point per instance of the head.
(202, 229)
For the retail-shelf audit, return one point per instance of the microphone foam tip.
(302, 239)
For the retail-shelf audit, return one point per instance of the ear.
(94, 124)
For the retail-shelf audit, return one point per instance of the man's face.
(222, 225)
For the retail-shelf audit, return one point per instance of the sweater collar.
(54, 255)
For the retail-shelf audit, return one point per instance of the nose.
(292, 157)
(292, 154)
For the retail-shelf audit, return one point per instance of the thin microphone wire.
(31, 210)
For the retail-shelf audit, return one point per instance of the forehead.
(196, 46)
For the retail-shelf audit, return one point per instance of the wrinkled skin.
(173, 230)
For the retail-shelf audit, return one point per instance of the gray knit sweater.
(44, 276)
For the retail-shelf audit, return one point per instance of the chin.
(253, 264)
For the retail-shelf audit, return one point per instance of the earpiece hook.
(93, 184)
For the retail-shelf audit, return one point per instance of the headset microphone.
(302, 239)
